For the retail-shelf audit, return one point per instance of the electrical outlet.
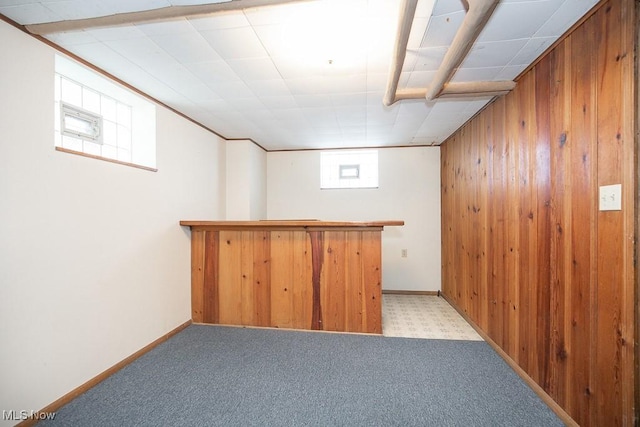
(611, 197)
(404, 253)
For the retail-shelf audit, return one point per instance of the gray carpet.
(225, 376)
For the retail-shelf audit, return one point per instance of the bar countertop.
(300, 224)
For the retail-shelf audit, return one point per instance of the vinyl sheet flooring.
(423, 316)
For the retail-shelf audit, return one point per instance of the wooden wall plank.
(561, 219)
(372, 284)
(610, 232)
(230, 278)
(281, 293)
(354, 286)
(246, 281)
(301, 281)
(526, 252)
(197, 275)
(262, 278)
(332, 293)
(542, 190)
(583, 210)
(211, 312)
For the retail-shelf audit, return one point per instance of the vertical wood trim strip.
(317, 260)
(211, 304)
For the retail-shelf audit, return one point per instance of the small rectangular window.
(349, 169)
(80, 123)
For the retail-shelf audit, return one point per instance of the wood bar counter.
(322, 275)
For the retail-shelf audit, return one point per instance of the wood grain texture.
(288, 278)
(527, 255)
(197, 275)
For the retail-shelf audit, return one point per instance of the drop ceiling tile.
(425, 8)
(476, 74)
(213, 72)
(442, 29)
(313, 101)
(349, 99)
(72, 38)
(420, 79)
(444, 7)
(163, 28)
(226, 20)
(141, 51)
(124, 6)
(492, 54)
(32, 13)
(254, 68)
(346, 83)
(179, 78)
(377, 82)
(279, 102)
(428, 58)
(321, 117)
(567, 14)
(378, 60)
(186, 47)
(235, 43)
(381, 115)
(78, 9)
(216, 105)
(412, 108)
(294, 68)
(308, 86)
(416, 35)
(532, 50)
(520, 20)
(231, 90)
(510, 72)
(351, 116)
(275, 87)
(116, 33)
(292, 115)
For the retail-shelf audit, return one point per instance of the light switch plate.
(611, 197)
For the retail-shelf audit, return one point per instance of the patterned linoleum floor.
(423, 316)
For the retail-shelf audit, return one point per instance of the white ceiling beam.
(474, 21)
(461, 90)
(489, 88)
(405, 21)
(153, 15)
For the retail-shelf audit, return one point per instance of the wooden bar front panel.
(288, 278)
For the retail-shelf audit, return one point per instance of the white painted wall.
(93, 263)
(246, 181)
(409, 190)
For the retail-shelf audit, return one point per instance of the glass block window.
(99, 118)
(349, 169)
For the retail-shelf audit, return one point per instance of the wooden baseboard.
(561, 413)
(392, 292)
(53, 407)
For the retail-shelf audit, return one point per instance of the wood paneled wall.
(527, 254)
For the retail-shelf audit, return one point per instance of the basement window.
(95, 117)
(79, 123)
(349, 169)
